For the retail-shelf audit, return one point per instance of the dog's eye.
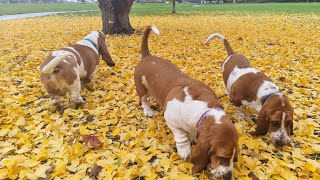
(275, 123)
(224, 161)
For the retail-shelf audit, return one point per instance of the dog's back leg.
(142, 90)
(146, 106)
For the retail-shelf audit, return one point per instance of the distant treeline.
(32, 1)
(265, 1)
(157, 1)
(219, 1)
(45, 1)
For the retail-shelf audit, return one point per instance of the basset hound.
(248, 86)
(192, 112)
(63, 70)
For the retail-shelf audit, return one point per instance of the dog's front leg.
(182, 142)
(55, 101)
(240, 109)
(241, 112)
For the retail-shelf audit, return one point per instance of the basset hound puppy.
(192, 112)
(248, 86)
(63, 69)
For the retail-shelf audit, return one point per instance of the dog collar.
(201, 120)
(267, 97)
(93, 43)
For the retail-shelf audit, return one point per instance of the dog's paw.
(55, 102)
(241, 116)
(148, 112)
(77, 100)
(253, 133)
(150, 98)
(184, 153)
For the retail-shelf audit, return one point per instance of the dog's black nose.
(280, 143)
(227, 176)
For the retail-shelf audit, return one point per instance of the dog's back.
(158, 76)
(153, 75)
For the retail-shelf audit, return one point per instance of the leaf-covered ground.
(40, 141)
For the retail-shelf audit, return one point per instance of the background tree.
(173, 5)
(115, 16)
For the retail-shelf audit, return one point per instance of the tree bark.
(174, 6)
(115, 16)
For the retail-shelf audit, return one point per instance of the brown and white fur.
(185, 100)
(248, 86)
(63, 69)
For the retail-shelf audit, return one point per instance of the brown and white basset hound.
(248, 86)
(192, 112)
(63, 69)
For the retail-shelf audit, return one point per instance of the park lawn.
(6, 9)
(156, 9)
(164, 9)
(39, 141)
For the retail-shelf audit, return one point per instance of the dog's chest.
(185, 115)
(265, 89)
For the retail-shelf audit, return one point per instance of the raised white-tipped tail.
(155, 29)
(222, 38)
(144, 44)
(49, 68)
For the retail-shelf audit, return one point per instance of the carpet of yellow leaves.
(38, 141)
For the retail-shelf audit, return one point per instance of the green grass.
(151, 9)
(156, 9)
(6, 9)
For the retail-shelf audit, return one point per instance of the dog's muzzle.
(224, 172)
(280, 138)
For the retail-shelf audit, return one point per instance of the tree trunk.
(234, 1)
(115, 16)
(174, 6)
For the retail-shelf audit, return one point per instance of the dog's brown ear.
(262, 124)
(235, 158)
(104, 51)
(291, 128)
(291, 122)
(200, 158)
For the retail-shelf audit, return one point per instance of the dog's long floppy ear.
(291, 122)
(200, 158)
(291, 128)
(235, 158)
(104, 51)
(262, 124)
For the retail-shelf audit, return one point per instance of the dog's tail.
(224, 40)
(49, 68)
(144, 44)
